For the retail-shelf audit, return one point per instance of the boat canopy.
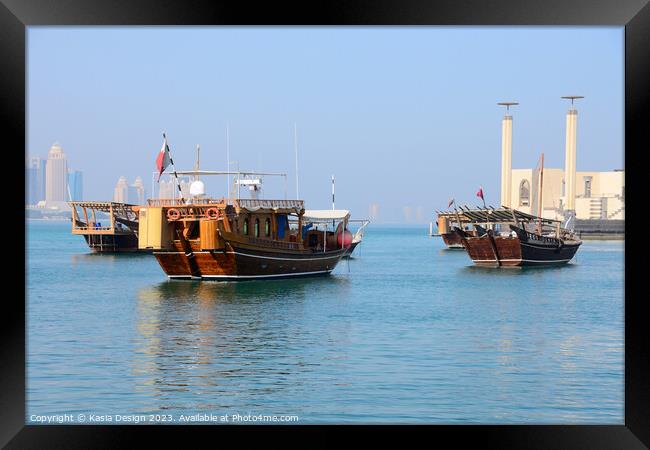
(485, 215)
(314, 215)
(283, 206)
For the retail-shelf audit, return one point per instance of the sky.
(404, 117)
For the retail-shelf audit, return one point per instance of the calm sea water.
(406, 332)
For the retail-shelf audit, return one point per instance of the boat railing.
(92, 228)
(264, 203)
(183, 202)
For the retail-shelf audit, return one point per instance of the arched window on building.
(267, 227)
(257, 227)
(246, 226)
(524, 193)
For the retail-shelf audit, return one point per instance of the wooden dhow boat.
(107, 227)
(446, 222)
(513, 238)
(243, 239)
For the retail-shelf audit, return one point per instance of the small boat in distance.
(446, 222)
(107, 227)
(514, 238)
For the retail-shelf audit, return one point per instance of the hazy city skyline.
(404, 117)
(51, 180)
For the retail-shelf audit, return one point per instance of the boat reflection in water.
(228, 344)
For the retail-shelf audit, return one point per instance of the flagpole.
(460, 225)
(228, 156)
(295, 146)
(171, 161)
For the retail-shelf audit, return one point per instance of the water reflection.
(516, 270)
(232, 340)
(92, 257)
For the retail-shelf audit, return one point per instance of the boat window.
(524, 193)
(267, 227)
(246, 226)
(257, 227)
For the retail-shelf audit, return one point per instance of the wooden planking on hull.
(238, 262)
(513, 252)
(452, 240)
(350, 249)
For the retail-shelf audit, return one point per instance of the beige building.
(56, 176)
(598, 195)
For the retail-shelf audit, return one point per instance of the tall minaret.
(570, 159)
(506, 155)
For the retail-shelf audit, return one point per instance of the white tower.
(506, 154)
(570, 160)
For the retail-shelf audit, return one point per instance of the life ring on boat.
(212, 213)
(173, 214)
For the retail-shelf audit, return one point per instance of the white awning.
(325, 214)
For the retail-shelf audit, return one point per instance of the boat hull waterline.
(246, 264)
(497, 251)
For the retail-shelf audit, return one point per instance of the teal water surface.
(405, 332)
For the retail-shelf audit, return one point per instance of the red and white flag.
(480, 193)
(163, 159)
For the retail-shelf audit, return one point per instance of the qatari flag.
(163, 159)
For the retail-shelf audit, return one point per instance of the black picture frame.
(16, 15)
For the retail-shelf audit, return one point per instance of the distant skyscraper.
(169, 189)
(185, 188)
(136, 192)
(419, 214)
(56, 175)
(121, 192)
(35, 177)
(166, 189)
(75, 181)
(407, 213)
(373, 211)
